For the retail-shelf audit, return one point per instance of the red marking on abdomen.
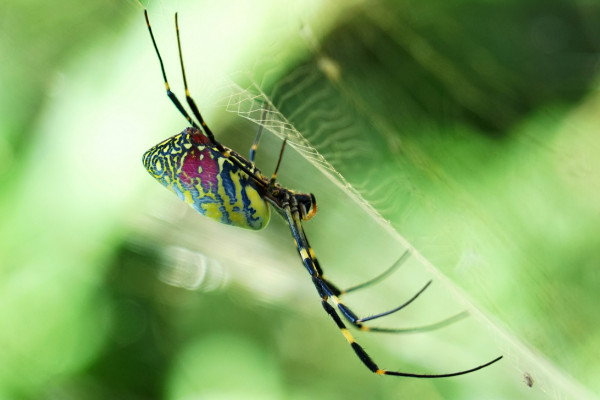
(196, 160)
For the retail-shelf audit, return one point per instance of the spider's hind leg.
(339, 293)
(326, 291)
(368, 361)
(357, 322)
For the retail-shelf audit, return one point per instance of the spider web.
(254, 105)
(339, 144)
(250, 103)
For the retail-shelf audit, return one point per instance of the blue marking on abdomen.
(249, 211)
(228, 185)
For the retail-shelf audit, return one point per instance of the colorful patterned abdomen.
(201, 176)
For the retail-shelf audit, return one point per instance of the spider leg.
(383, 314)
(230, 154)
(274, 176)
(338, 292)
(189, 98)
(171, 95)
(290, 211)
(368, 361)
(291, 214)
(381, 276)
(258, 134)
(357, 322)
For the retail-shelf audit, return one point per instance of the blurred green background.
(471, 126)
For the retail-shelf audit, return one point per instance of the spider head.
(307, 205)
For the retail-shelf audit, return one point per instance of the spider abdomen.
(204, 178)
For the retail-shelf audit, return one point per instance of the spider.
(221, 184)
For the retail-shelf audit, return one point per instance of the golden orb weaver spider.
(221, 184)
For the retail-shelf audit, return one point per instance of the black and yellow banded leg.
(290, 213)
(254, 146)
(363, 285)
(189, 98)
(326, 292)
(170, 94)
(368, 361)
(357, 322)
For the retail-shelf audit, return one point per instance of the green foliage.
(470, 126)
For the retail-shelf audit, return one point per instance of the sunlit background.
(471, 126)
